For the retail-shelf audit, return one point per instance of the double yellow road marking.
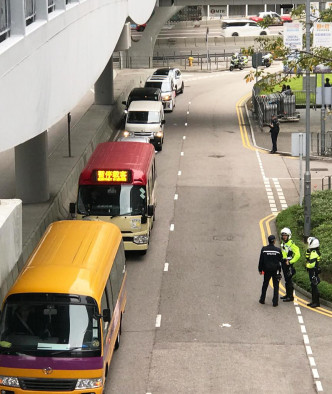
(243, 129)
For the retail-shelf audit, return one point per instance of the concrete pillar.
(141, 53)
(31, 170)
(17, 18)
(104, 90)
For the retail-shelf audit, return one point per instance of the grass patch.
(321, 219)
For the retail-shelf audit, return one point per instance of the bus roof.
(72, 257)
(134, 156)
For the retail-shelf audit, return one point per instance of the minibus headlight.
(167, 97)
(83, 384)
(141, 239)
(9, 381)
(158, 133)
(126, 133)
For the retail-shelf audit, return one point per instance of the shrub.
(321, 219)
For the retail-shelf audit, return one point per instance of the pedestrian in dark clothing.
(288, 90)
(327, 83)
(270, 263)
(274, 130)
(284, 87)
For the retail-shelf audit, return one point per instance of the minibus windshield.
(50, 329)
(143, 117)
(111, 200)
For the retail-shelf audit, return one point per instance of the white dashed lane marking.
(273, 206)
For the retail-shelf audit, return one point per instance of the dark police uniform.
(270, 262)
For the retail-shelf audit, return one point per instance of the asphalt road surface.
(193, 323)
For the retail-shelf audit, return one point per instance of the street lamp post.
(307, 175)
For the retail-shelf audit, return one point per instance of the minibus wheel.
(117, 342)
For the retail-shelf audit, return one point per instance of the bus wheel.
(117, 342)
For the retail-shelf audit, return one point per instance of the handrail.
(328, 183)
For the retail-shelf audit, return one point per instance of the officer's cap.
(271, 238)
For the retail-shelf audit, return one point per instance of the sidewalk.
(320, 166)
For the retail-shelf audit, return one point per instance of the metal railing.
(326, 182)
(30, 11)
(215, 61)
(50, 6)
(316, 146)
(4, 19)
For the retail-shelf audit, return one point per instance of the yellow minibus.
(61, 319)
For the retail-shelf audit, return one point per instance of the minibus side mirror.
(150, 210)
(163, 121)
(144, 219)
(72, 209)
(107, 315)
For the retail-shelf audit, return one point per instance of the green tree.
(293, 59)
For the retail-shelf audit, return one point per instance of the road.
(181, 41)
(193, 323)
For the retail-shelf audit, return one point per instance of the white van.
(146, 118)
(165, 84)
(241, 28)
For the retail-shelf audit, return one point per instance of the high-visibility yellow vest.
(313, 258)
(289, 249)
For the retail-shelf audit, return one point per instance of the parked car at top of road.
(136, 27)
(176, 76)
(140, 94)
(241, 28)
(276, 18)
(165, 84)
(146, 119)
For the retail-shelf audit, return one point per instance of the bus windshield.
(53, 329)
(143, 117)
(111, 200)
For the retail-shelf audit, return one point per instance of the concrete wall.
(47, 70)
(10, 240)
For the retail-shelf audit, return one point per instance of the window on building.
(4, 19)
(51, 6)
(30, 11)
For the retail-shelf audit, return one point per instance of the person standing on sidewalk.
(274, 130)
(312, 264)
(290, 254)
(270, 263)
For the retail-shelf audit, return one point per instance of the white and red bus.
(118, 185)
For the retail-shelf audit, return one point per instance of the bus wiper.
(69, 350)
(86, 214)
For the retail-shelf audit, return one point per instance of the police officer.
(290, 254)
(274, 130)
(312, 264)
(270, 263)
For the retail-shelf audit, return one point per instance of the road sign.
(293, 35)
(257, 59)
